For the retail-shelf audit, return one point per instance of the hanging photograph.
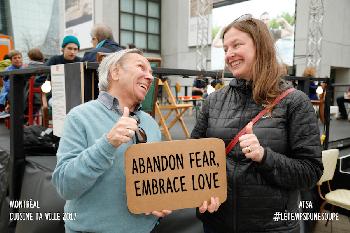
(79, 21)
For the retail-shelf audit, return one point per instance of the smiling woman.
(239, 53)
(271, 163)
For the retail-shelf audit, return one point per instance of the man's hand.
(212, 207)
(123, 131)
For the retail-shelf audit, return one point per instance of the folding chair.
(173, 106)
(32, 116)
(338, 197)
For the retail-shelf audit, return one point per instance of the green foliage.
(274, 24)
(289, 18)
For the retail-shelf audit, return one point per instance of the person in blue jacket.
(102, 41)
(16, 63)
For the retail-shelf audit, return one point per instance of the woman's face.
(239, 53)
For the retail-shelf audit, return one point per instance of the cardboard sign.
(175, 174)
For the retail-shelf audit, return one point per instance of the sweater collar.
(112, 103)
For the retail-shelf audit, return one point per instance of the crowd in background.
(103, 42)
(101, 39)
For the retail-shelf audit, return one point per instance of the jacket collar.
(241, 84)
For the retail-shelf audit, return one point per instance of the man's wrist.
(110, 140)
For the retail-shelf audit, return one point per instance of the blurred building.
(161, 28)
(5, 15)
(32, 23)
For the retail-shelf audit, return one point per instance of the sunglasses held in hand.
(140, 133)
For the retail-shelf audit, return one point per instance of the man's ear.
(114, 73)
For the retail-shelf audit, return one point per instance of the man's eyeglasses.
(140, 133)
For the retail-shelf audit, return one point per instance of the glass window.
(140, 24)
(153, 42)
(153, 9)
(126, 21)
(126, 6)
(140, 7)
(153, 25)
(140, 40)
(126, 37)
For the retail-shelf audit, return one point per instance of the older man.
(90, 159)
(102, 41)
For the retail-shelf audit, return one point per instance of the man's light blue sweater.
(90, 171)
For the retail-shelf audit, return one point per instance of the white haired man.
(102, 41)
(90, 159)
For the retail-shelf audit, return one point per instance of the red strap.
(256, 118)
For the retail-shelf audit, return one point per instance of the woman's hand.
(213, 207)
(250, 145)
(160, 214)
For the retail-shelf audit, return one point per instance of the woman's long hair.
(266, 73)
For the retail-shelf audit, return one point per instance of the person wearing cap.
(70, 48)
(102, 41)
(90, 173)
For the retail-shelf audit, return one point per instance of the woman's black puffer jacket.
(291, 162)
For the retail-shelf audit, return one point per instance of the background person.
(70, 48)
(286, 30)
(36, 59)
(279, 155)
(310, 72)
(90, 159)
(5, 62)
(199, 86)
(343, 115)
(102, 41)
(16, 63)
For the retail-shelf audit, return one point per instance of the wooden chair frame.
(173, 106)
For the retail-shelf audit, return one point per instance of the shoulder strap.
(256, 118)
